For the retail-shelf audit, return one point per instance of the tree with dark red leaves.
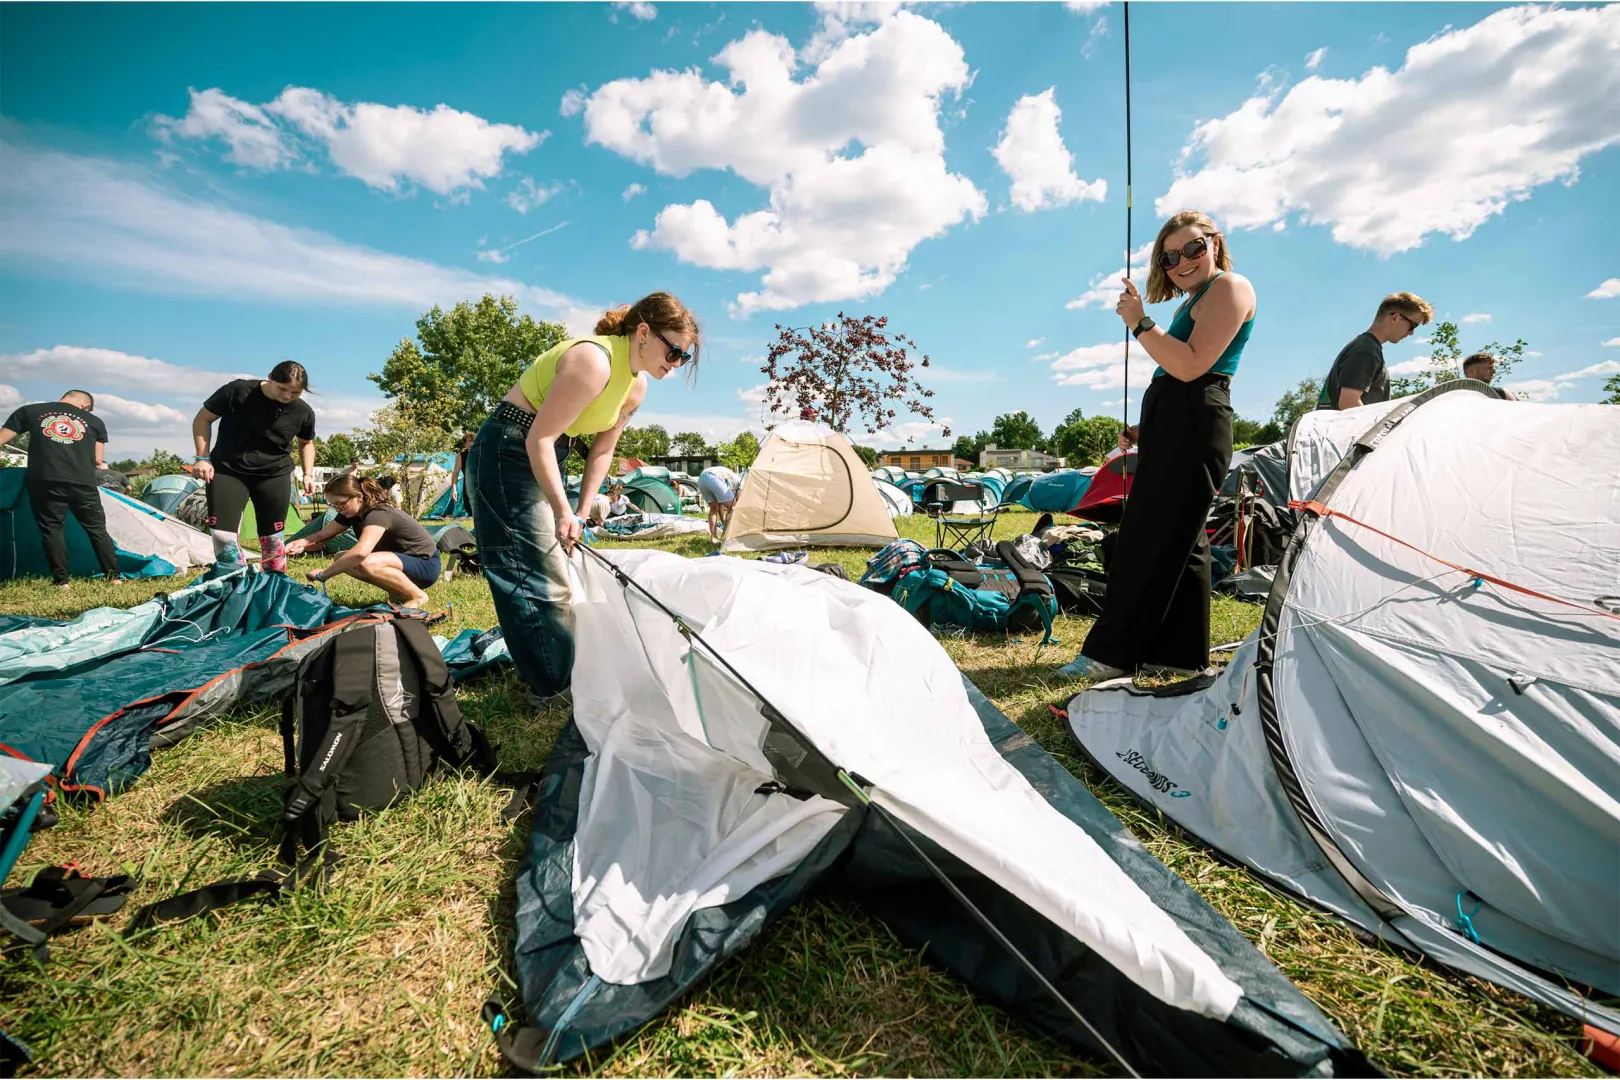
(844, 371)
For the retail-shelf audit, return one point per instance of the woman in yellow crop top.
(579, 393)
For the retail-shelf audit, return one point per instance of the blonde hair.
(1407, 304)
(659, 310)
(1159, 286)
(372, 494)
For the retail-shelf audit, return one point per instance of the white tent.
(1424, 734)
(898, 502)
(145, 530)
(808, 487)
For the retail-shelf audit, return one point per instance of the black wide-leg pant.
(1157, 607)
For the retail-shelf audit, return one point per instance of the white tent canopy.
(1425, 750)
(808, 486)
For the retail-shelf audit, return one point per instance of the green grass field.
(383, 973)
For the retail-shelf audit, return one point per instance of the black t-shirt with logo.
(1359, 366)
(256, 431)
(402, 533)
(61, 441)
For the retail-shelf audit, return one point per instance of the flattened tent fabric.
(808, 487)
(792, 764)
(92, 696)
(653, 526)
(1357, 748)
(149, 542)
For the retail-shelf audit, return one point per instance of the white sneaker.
(1084, 667)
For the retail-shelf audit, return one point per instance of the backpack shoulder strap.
(461, 741)
(354, 680)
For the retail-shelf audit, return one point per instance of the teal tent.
(343, 541)
(651, 495)
(22, 549)
(167, 492)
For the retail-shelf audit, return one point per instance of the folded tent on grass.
(783, 763)
(1443, 629)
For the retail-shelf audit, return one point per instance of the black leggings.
(228, 496)
(1157, 607)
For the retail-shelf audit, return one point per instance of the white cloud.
(1032, 154)
(1102, 367)
(493, 255)
(1441, 144)
(1046, 356)
(633, 190)
(1118, 403)
(254, 140)
(1534, 389)
(912, 433)
(1084, 7)
(639, 9)
(852, 157)
(97, 369)
(1099, 30)
(1313, 60)
(1477, 317)
(1415, 366)
(1602, 367)
(114, 222)
(114, 408)
(1606, 291)
(10, 396)
(386, 146)
(1612, 343)
(528, 195)
(1103, 290)
(715, 427)
(1034, 343)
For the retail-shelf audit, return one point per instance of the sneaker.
(1084, 667)
(535, 701)
(62, 584)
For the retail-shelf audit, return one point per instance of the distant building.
(918, 460)
(691, 464)
(1025, 460)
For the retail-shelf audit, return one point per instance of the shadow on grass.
(244, 812)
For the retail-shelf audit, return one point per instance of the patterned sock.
(273, 552)
(227, 552)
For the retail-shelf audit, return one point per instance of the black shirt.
(1359, 366)
(402, 533)
(256, 431)
(61, 441)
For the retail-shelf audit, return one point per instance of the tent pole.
(1125, 402)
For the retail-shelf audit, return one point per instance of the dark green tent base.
(1274, 1031)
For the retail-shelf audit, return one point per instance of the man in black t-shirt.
(66, 445)
(1358, 375)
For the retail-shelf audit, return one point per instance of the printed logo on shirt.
(62, 428)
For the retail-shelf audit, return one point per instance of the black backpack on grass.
(372, 713)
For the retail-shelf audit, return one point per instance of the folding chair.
(955, 529)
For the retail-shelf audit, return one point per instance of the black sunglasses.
(1413, 323)
(676, 356)
(1192, 249)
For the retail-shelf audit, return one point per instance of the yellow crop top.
(602, 413)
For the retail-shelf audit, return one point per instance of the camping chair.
(952, 527)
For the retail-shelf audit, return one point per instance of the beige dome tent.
(808, 487)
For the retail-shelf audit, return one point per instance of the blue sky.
(189, 192)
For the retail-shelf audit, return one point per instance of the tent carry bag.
(951, 591)
(373, 712)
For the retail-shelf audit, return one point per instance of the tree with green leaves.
(866, 454)
(1085, 440)
(164, 463)
(1253, 432)
(393, 439)
(335, 451)
(1446, 354)
(463, 362)
(739, 453)
(1296, 403)
(1611, 387)
(643, 443)
(969, 447)
(125, 465)
(1015, 431)
(689, 443)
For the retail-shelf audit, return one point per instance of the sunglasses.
(1413, 323)
(1192, 249)
(676, 357)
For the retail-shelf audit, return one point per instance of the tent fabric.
(1104, 497)
(149, 543)
(1356, 749)
(1267, 468)
(896, 501)
(808, 487)
(1058, 492)
(193, 510)
(652, 526)
(619, 912)
(335, 545)
(92, 696)
(452, 501)
(166, 492)
(651, 495)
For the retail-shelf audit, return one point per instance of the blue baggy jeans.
(522, 560)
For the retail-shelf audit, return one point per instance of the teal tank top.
(1181, 328)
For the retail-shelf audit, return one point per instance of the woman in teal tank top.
(1156, 613)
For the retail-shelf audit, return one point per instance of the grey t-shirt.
(1359, 366)
(402, 533)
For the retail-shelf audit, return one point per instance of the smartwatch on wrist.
(1143, 327)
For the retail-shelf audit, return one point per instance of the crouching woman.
(392, 550)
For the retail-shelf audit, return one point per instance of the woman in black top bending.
(392, 551)
(251, 461)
